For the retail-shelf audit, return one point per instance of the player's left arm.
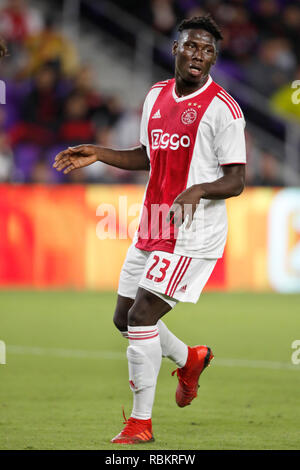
(230, 185)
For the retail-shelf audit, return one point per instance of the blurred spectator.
(83, 83)
(272, 68)
(50, 44)
(76, 127)
(109, 112)
(241, 34)
(126, 132)
(266, 15)
(164, 18)
(18, 21)
(269, 171)
(41, 110)
(291, 24)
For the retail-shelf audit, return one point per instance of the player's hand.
(185, 205)
(75, 157)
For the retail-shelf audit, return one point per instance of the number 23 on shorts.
(163, 266)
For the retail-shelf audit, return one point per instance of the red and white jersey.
(188, 140)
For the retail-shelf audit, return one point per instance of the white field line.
(115, 355)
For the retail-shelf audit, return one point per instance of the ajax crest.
(189, 116)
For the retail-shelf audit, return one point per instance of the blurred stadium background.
(78, 72)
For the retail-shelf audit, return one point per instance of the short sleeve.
(147, 108)
(230, 145)
(144, 125)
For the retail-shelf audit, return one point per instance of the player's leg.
(183, 279)
(144, 352)
(144, 359)
(171, 346)
(145, 327)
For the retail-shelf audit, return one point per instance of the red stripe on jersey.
(185, 270)
(174, 272)
(231, 102)
(231, 109)
(235, 104)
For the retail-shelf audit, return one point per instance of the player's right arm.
(83, 155)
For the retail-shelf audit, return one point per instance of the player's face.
(195, 53)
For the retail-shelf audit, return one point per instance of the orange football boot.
(136, 431)
(198, 359)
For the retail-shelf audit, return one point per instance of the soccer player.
(192, 141)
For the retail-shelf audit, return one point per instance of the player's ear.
(215, 58)
(175, 47)
(216, 54)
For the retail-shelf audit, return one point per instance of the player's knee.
(136, 316)
(120, 321)
(141, 312)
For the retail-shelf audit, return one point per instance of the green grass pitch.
(66, 376)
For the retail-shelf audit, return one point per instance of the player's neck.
(184, 88)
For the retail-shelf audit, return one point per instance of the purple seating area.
(27, 156)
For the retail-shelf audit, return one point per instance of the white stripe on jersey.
(235, 104)
(159, 84)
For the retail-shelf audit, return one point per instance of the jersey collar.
(191, 95)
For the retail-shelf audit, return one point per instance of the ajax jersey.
(188, 140)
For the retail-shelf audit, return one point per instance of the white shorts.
(174, 278)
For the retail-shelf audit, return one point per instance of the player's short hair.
(202, 22)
